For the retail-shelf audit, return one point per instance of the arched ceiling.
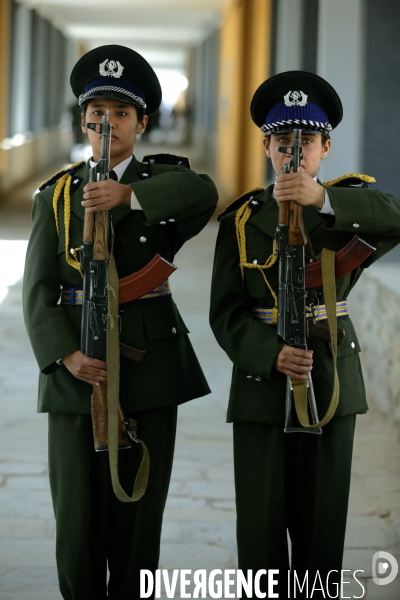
(162, 30)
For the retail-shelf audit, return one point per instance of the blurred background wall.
(211, 55)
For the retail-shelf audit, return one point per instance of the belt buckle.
(313, 308)
(310, 311)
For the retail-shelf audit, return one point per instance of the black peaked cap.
(319, 92)
(136, 71)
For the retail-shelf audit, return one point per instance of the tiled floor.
(199, 525)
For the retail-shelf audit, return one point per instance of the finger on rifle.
(302, 365)
(91, 378)
(93, 185)
(98, 374)
(286, 177)
(295, 359)
(285, 194)
(96, 363)
(90, 207)
(92, 195)
(303, 353)
(285, 189)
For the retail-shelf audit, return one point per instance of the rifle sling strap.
(300, 387)
(310, 251)
(139, 487)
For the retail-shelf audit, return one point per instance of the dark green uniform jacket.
(177, 203)
(254, 346)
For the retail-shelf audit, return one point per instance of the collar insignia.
(111, 68)
(295, 99)
(254, 204)
(143, 175)
(75, 183)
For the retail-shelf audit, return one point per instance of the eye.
(98, 112)
(121, 113)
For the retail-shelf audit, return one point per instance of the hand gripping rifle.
(100, 324)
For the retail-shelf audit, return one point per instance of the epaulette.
(351, 180)
(63, 189)
(235, 204)
(166, 159)
(68, 171)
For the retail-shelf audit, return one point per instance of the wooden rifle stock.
(88, 227)
(348, 258)
(100, 420)
(101, 234)
(297, 232)
(283, 216)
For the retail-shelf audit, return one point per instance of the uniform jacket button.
(173, 330)
(255, 261)
(142, 239)
(163, 222)
(249, 376)
(356, 225)
(258, 378)
(352, 345)
(171, 220)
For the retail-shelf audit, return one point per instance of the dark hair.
(139, 111)
(325, 137)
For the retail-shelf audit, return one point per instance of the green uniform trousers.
(94, 529)
(297, 483)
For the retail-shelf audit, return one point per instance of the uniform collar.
(119, 169)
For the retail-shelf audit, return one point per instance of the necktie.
(112, 175)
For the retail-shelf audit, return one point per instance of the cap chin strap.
(279, 126)
(99, 91)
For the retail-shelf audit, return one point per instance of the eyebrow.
(305, 134)
(101, 104)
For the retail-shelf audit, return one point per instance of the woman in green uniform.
(155, 208)
(293, 482)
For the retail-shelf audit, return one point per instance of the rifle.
(295, 319)
(291, 240)
(95, 257)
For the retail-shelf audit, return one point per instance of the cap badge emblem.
(295, 99)
(111, 68)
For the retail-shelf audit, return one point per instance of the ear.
(141, 126)
(325, 148)
(83, 124)
(266, 144)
